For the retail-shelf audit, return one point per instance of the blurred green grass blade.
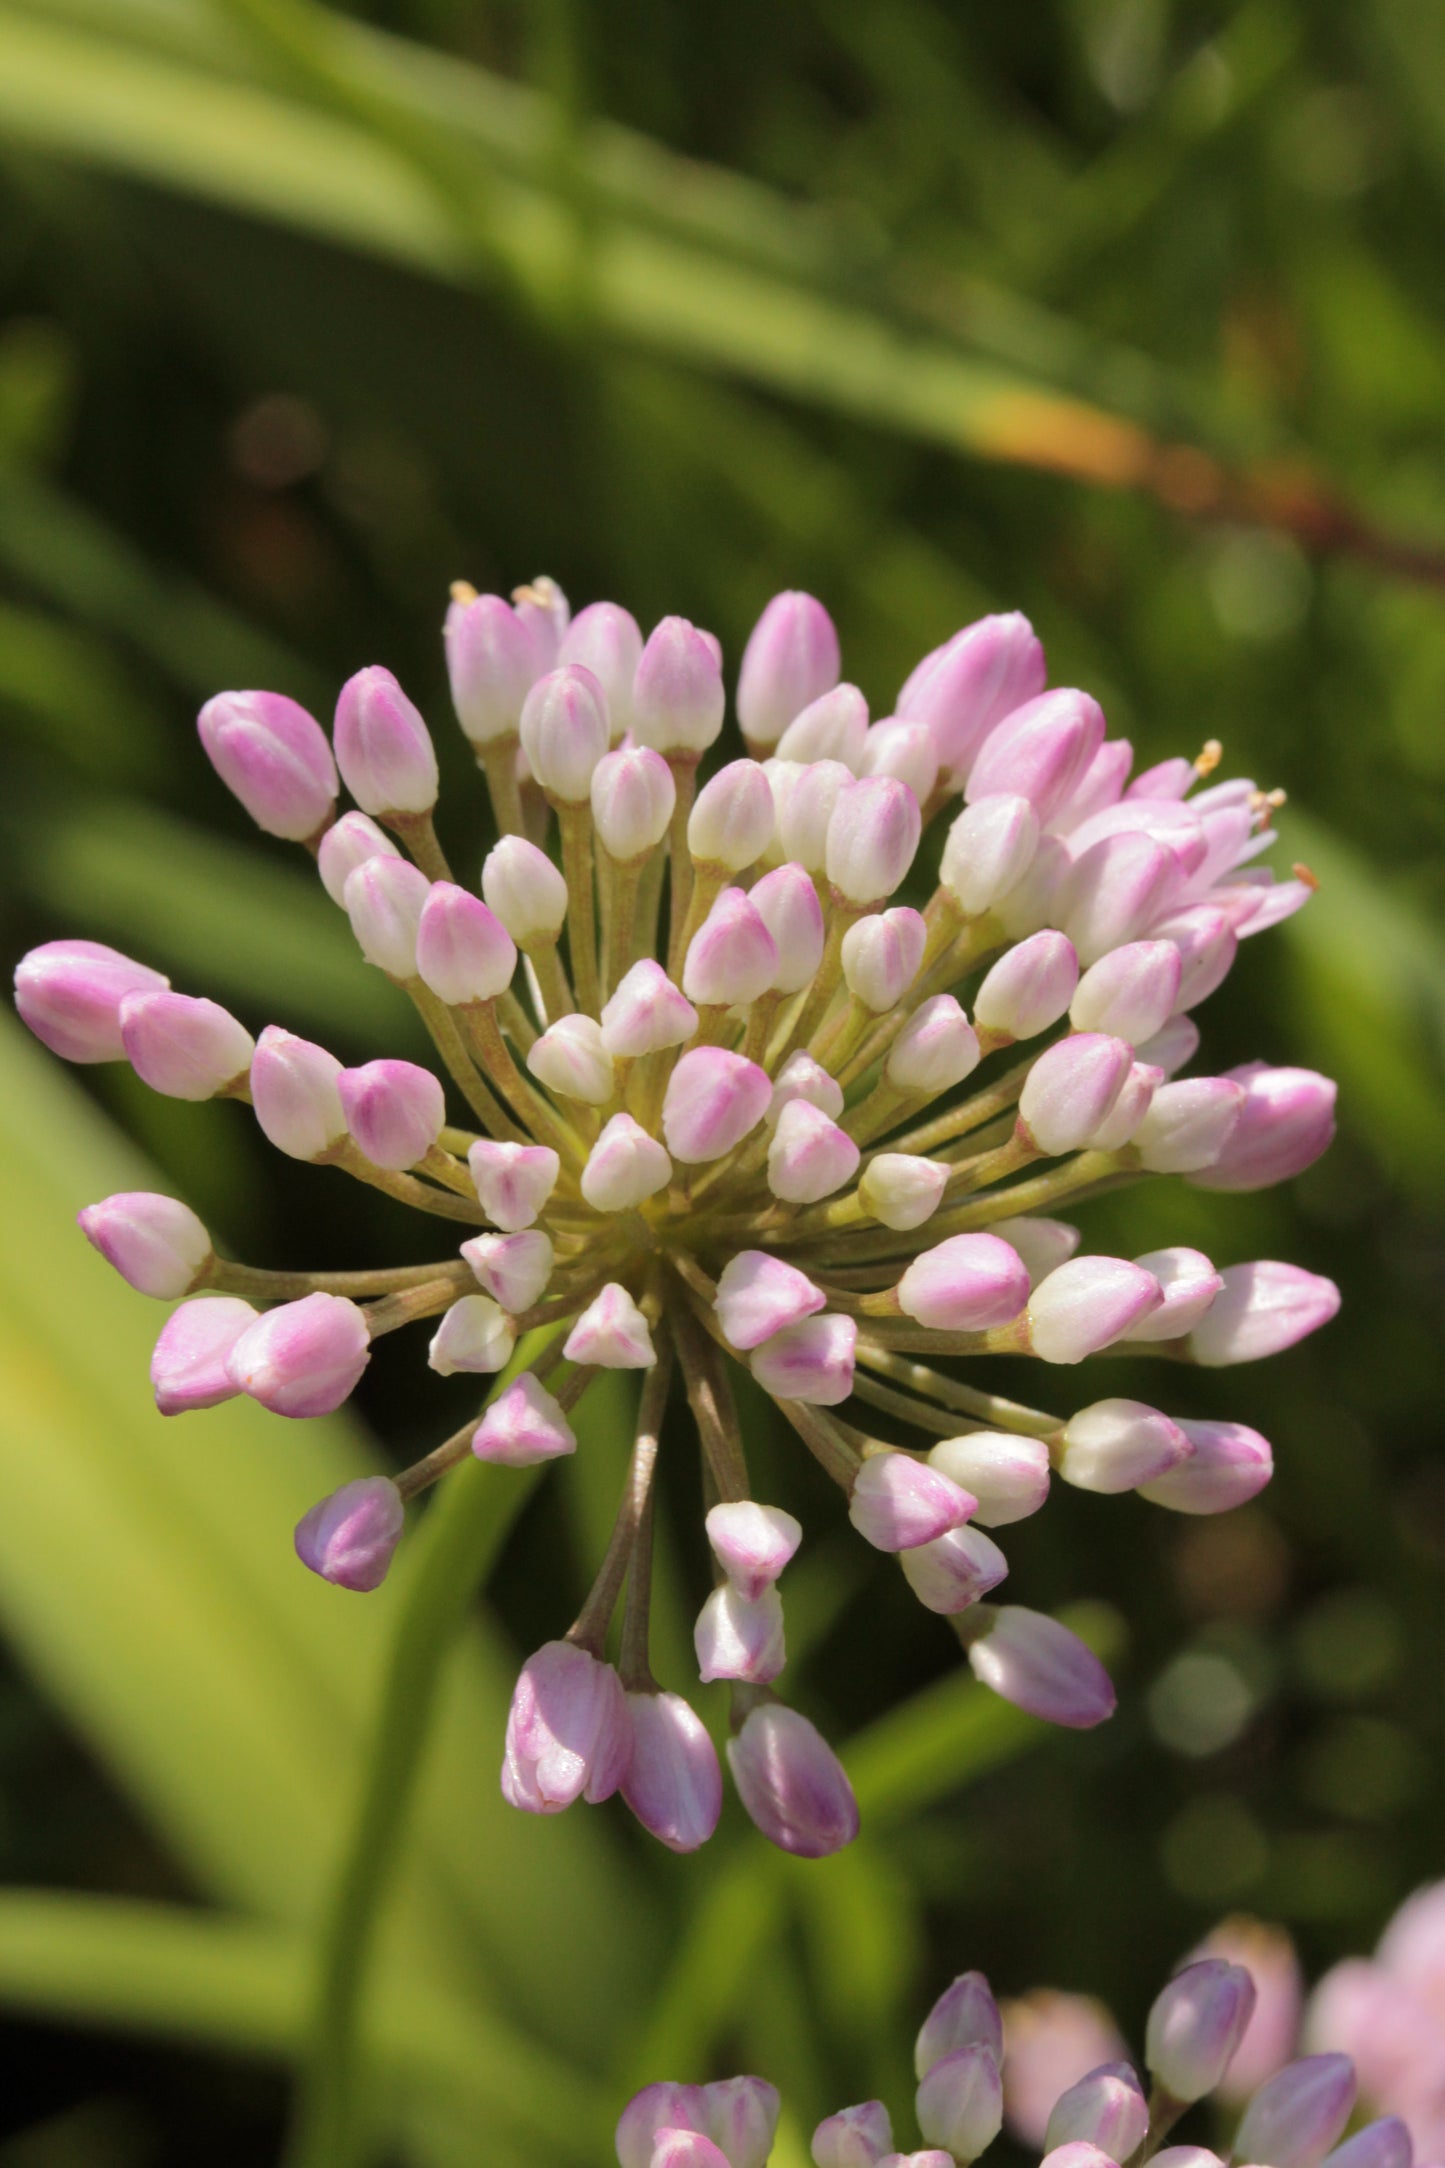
(73, 701)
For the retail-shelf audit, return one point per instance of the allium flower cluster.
(709, 1099)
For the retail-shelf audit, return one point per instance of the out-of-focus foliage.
(1124, 312)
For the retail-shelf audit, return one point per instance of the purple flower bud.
(1261, 1309)
(965, 2015)
(881, 955)
(524, 890)
(990, 848)
(1086, 1305)
(966, 1284)
(1039, 751)
(572, 1060)
(713, 1100)
(188, 1362)
(811, 1361)
(606, 640)
(832, 727)
(673, 1782)
(854, 2137)
(347, 844)
(805, 798)
(274, 757)
(759, 1295)
(633, 796)
(1043, 1244)
(1039, 1665)
(565, 732)
(463, 951)
(1207, 943)
(960, 2102)
(384, 900)
(1103, 2113)
(965, 688)
(1118, 889)
(394, 1110)
(383, 748)
(954, 1570)
(1008, 1475)
(1173, 1048)
(872, 838)
(752, 1543)
(294, 1094)
(803, 1078)
(70, 992)
(524, 1424)
(787, 902)
(1228, 1464)
(810, 1156)
(1071, 1089)
(1189, 1124)
(657, 2107)
(474, 1335)
(513, 1181)
(905, 750)
(1131, 993)
(902, 1189)
(1296, 2116)
(612, 1333)
(569, 1731)
(1196, 2024)
(624, 1167)
(936, 1049)
(898, 1503)
(740, 1637)
(156, 1244)
(186, 1048)
(513, 1269)
(1286, 1122)
(791, 659)
(1116, 1445)
(732, 957)
(1029, 988)
(677, 693)
(792, 1784)
(492, 660)
(349, 1538)
(647, 1013)
(303, 1358)
(742, 2118)
(686, 2149)
(1383, 2144)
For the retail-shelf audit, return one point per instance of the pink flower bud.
(966, 1284)
(1297, 2115)
(474, 1335)
(805, 797)
(1040, 751)
(524, 890)
(854, 2137)
(791, 659)
(1164, 821)
(303, 1358)
(647, 1013)
(1029, 988)
(930, 2157)
(1131, 993)
(384, 900)
(792, 1784)
(1168, 779)
(810, 1156)
(1086, 1305)
(394, 1110)
(742, 2118)
(1071, 1089)
(606, 640)
(565, 732)
(1173, 1048)
(713, 1100)
(1207, 943)
(1125, 1117)
(513, 1181)
(759, 1295)
(832, 727)
(1184, 2156)
(572, 1060)
(731, 958)
(732, 822)
(803, 1078)
(902, 1189)
(1260, 1310)
(811, 1361)
(624, 1167)
(383, 748)
(966, 687)
(1196, 2024)
(569, 1732)
(294, 1094)
(463, 951)
(881, 955)
(1228, 1464)
(347, 844)
(990, 848)
(960, 2102)
(1008, 1475)
(740, 1637)
(274, 757)
(1286, 1122)
(1268, 1956)
(657, 2108)
(1051, 2039)
(513, 1269)
(188, 1362)
(752, 1543)
(546, 613)
(965, 2015)
(905, 750)
(673, 1782)
(633, 796)
(1189, 1124)
(1383, 2144)
(787, 903)
(1117, 1445)
(349, 1538)
(1118, 889)
(492, 660)
(936, 1049)
(1101, 785)
(1039, 898)
(898, 1502)
(872, 837)
(677, 693)
(1077, 2154)
(1034, 1662)
(1190, 1284)
(1043, 1244)
(70, 992)
(954, 1570)
(611, 1332)
(523, 1425)
(156, 1244)
(185, 1048)
(686, 2149)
